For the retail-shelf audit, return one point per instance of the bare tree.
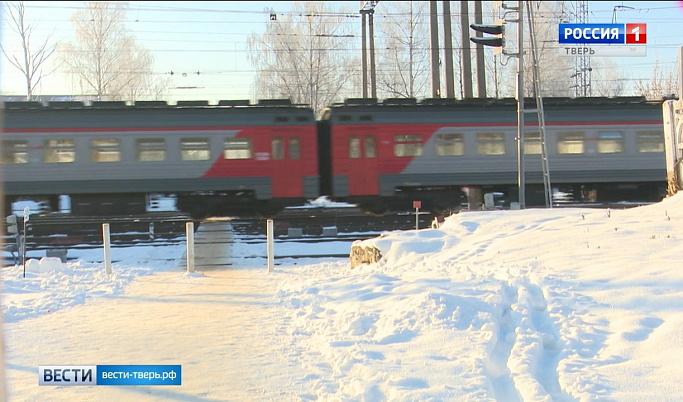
(606, 78)
(32, 60)
(404, 59)
(500, 68)
(664, 83)
(499, 75)
(304, 56)
(105, 58)
(555, 72)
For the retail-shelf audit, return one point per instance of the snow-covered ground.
(562, 304)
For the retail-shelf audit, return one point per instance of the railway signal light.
(12, 227)
(497, 41)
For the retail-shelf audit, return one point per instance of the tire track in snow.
(501, 377)
(523, 361)
(535, 356)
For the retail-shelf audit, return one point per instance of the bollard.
(107, 248)
(417, 205)
(269, 244)
(189, 233)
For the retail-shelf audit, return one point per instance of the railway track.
(54, 234)
(58, 231)
(314, 224)
(298, 222)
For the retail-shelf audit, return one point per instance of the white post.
(680, 74)
(269, 244)
(27, 216)
(417, 215)
(107, 248)
(189, 234)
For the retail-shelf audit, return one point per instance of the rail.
(55, 232)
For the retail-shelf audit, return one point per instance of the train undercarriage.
(447, 200)
(199, 205)
(436, 200)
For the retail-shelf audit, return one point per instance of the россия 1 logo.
(603, 39)
(603, 34)
(636, 34)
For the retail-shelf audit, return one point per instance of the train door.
(288, 171)
(363, 179)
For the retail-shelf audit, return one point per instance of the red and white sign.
(636, 34)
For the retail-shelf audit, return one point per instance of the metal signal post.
(498, 41)
(521, 182)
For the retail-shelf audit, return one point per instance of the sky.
(204, 44)
(563, 304)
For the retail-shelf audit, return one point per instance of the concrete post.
(269, 244)
(189, 235)
(106, 238)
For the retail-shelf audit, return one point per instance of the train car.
(387, 155)
(108, 157)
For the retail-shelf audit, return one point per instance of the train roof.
(369, 111)
(239, 103)
(115, 114)
(493, 102)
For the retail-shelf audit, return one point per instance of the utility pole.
(583, 62)
(481, 68)
(367, 8)
(364, 57)
(434, 31)
(466, 50)
(373, 74)
(448, 48)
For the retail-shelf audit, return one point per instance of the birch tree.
(555, 72)
(606, 78)
(664, 83)
(33, 59)
(404, 59)
(105, 59)
(305, 56)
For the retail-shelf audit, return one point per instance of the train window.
(237, 148)
(277, 148)
(365, 117)
(570, 143)
(151, 150)
(14, 151)
(105, 150)
(59, 151)
(610, 142)
(195, 149)
(354, 147)
(532, 143)
(450, 144)
(370, 149)
(491, 144)
(407, 145)
(650, 141)
(294, 148)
